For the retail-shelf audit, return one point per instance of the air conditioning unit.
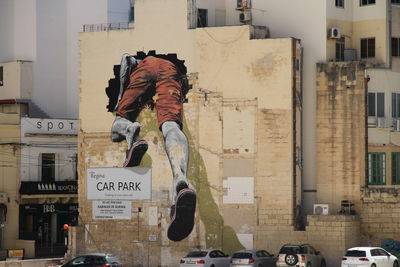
(243, 4)
(381, 123)
(245, 16)
(321, 209)
(396, 125)
(334, 33)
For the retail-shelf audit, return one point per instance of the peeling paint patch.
(263, 67)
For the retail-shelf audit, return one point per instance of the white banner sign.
(119, 183)
(48, 126)
(112, 210)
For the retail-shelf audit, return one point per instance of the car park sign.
(119, 183)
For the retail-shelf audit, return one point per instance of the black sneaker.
(182, 215)
(135, 154)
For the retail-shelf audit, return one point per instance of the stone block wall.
(380, 215)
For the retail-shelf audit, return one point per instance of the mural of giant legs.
(157, 82)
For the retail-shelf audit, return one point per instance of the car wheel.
(323, 264)
(373, 265)
(212, 265)
(291, 259)
(395, 264)
(309, 264)
(261, 265)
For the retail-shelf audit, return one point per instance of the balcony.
(106, 27)
(47, 188)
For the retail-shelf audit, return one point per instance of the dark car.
(93, 260)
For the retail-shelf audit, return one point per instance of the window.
(202, 18)
(367, 47)
(339, 3)
(376, 105)
(395, 167)
(356, 253)
(48, 167)
(367, 2)
(376, 168)
(396, 47)
(395, 1)
(340, 49)
(396, 105)
(1, 75)
(132, 14)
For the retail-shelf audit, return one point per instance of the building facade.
(332, 148)
(39, 181)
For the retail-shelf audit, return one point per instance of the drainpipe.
(366, 80)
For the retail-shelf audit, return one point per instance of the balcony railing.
(106, 27)
(39, 188)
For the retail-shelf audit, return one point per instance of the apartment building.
(39, 181)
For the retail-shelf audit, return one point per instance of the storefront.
(44, 224)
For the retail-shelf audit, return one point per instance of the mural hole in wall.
(113, 89)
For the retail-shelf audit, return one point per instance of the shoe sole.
(183, 219)
(135, 154)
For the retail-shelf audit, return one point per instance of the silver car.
(300, 255)
(205, 258)
(253, 258)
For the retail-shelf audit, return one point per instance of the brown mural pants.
(158, 80)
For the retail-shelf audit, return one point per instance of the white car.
(369, 257)
(205, 258)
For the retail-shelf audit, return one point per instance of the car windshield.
(197, 254)
(242, 255)
(355, 253)
(292, 250)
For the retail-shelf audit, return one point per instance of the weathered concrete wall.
(341, 134)
(17, 80)
(9, 172)
(240, 121)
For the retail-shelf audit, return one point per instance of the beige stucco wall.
(17, 80)
(354, 31)
(372, 29)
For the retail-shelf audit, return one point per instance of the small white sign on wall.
(246, 240)
(240, 190)
(119, 183)
(112, 210)
(153, 216)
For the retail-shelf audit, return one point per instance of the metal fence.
(106, 27)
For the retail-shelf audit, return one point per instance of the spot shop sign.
(119, 183)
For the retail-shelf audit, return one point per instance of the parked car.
(93, 260)
(206, 258)
(300, 256)
(250, 258)
(369, 257)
